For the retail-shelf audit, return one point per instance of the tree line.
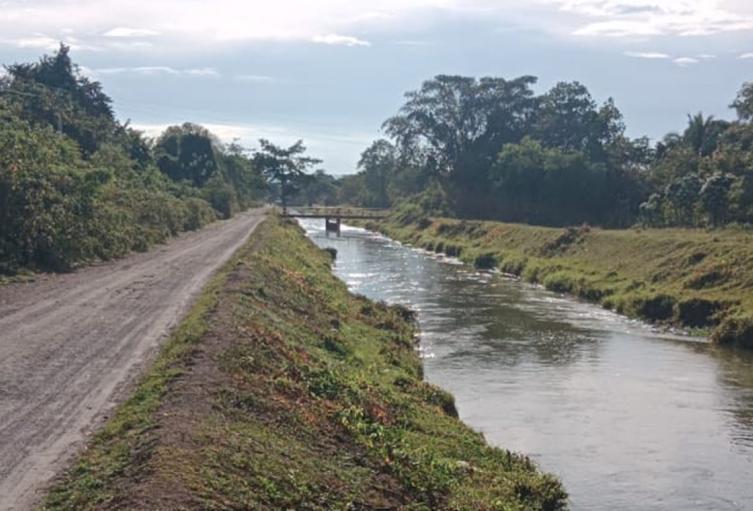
(77, 185)
(492, 148)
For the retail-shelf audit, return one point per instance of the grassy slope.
(686, 277)
(283, 391)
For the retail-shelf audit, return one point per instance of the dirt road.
(71, 344)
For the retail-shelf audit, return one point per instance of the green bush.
(735, 331)
(486, 261)
(697, 312)
(222, 197)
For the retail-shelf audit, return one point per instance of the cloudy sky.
(330, 71)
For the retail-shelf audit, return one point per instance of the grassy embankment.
(685, 277)
(283, 391)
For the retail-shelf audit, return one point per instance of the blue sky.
(330, 71)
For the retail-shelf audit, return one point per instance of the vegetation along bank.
(692, 278)
(281, 390)
(77, 185)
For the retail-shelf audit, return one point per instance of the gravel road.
(71, 346)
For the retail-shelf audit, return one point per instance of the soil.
(72, 345)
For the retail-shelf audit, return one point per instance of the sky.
(331, 71)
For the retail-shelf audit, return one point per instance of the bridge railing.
(337, 212)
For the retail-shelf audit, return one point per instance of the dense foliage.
(77, 185)
(492, 148)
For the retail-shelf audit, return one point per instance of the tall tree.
(568, 118)
(53, 92)
(283, 165)
(703, 134)
(457, 121)
(378, 162)
(743, 103)
(187, 152)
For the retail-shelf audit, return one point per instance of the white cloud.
(45, 42)
(623, 18)
(158, 70)
(746, 56)
(143, 70)
(129, 45)
(686, 61)
(680, 61)
(618, 28)
(255, 78)
(343, 40)
(184, 25)
(38, 41)
(202, 71)
(130, 32)
(651, 55)
(225, 132)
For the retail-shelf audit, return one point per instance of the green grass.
(693, 278)
(283, 391)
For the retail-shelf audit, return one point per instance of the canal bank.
(690, 278)
(628, 416)
(282, 390)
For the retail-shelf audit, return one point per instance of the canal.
(629, 417)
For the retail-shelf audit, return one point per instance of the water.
(627, 416)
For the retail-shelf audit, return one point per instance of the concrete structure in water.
(333, 217)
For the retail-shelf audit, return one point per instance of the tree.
(715, 197)
(457, 121)
(378, 162)
(187, 153)
(53, 92)
(317, 188)
(743, 103)
(537, 184)
(283, 165)
(703, 134)
(568, 118)
(681, 196)
(240, 172)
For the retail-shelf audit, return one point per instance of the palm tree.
(702, 134)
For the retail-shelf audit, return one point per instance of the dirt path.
(71, 344)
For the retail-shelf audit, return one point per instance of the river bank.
(627, 415)
(691, 278)
(282, 390)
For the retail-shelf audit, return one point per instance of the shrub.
(198, 214)
(697, 312)
(654, 308)
(559, 282)
(735, 331)
(486, 261)
(222, 197)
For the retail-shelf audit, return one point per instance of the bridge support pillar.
(332, 225)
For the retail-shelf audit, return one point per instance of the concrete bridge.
(333, 216)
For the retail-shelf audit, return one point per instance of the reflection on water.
(629, 417)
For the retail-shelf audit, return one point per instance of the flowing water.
(630, 418)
